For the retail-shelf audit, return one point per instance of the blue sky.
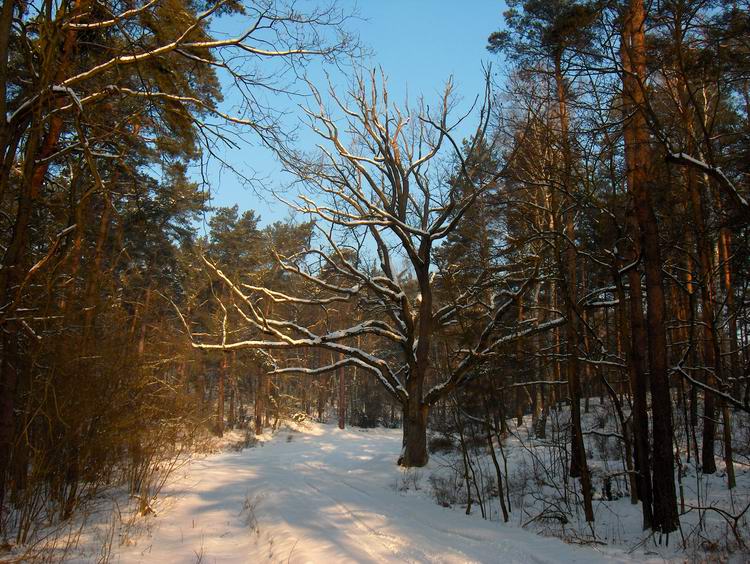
(418, 43)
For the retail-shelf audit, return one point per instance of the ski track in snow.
(327, 496)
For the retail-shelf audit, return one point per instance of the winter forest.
(503, 322)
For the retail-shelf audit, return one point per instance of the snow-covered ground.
(314, 493)
(319, 494)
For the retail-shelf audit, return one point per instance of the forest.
(534, 299)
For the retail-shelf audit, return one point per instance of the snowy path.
(326, 496)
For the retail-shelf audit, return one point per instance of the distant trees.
(247, 254)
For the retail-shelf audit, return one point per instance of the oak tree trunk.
(414, 449)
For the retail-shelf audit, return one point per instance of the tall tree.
(552, 32)
(640, 185)
(385, 186)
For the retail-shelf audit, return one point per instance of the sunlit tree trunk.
(665, 518)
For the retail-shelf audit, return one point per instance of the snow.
(69, 92)
(319, 494)
(703, 536)
(313, 493)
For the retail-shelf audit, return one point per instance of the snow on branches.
(380, 184)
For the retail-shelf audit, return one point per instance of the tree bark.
(636, 345)
(39, 145)
(342, 398)
(260, 402)
(414, 449)
(567, 261)
(637, 156)
(710, 342)
(220, 395)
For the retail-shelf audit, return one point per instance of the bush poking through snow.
(440, 443)
(249, 507)
(248, 440)
(443, 490)
(411, 479)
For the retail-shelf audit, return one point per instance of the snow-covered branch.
(715, 172)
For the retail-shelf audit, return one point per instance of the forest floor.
(319, 494)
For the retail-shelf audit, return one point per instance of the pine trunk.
(665, 518)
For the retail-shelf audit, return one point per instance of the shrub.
(440, 443)
(443, 490)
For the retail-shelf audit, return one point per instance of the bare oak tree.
(388, 179)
